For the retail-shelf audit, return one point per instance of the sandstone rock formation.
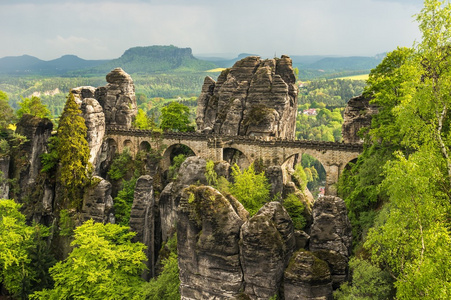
(191, 171)
(144, 220)
(331, 236)
(97, 202)
(118, 99)
(307, 277)
(26, 165)
(208, 233)
(267, 242)
(358, 114)
(254, 97)
(4, 169)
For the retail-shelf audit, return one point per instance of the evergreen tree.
(73, 152)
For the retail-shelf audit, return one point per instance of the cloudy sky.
(104, 29)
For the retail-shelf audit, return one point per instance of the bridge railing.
(224, 140)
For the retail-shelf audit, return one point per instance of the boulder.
(254, 97)
(267, 242)
(97, 201)
(307, 277)
(208, 234)
(331, 235)
(191, 171)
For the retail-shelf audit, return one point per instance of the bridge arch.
(144, 146)
(233, 155)
(174, 150)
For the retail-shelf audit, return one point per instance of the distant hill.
(25, 64)
(346, 63)
(155, 59)
(225, 63)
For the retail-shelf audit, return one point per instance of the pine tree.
(73, 152)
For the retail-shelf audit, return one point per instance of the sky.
(104, 29)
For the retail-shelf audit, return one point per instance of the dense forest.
(397, 193)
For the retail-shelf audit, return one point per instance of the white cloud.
(95, 29)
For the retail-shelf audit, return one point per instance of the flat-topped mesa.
(255, 97)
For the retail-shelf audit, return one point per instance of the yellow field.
(356, 77)
(216, 70)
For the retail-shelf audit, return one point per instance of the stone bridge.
(333, 156)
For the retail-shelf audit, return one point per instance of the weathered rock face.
(144, 220)
(358, 114)
(208, 232)
(94, 117)
(97, 202)
(118, 99)
(267, 242)
(4, 168)
(26, 166)
(191, 171)
(331, 235)
(254, 97)
(307, 277)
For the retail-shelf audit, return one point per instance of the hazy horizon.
(105, 29)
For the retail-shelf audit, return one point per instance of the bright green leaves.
(33, 106)
(251, 189)
(24, 256)
(6, 112)
(175, 117)
(104, 264)
(73, 152)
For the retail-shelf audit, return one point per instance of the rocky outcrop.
(26, 166)
(331, 236)
(208, 233)
(144, 220)
(254, 97)
(191, 171)
(94, 117)
(4, 175)
(118, 99)
(357, 115)
(307, 277)
(97, 202)
(267, 242)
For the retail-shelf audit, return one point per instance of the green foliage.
(210, 173)
(175, 166)
(24, 254)
(175, 117)
(251, 189)
(50, 159)
(73, 152)
(33, 106)
(6, 112)
(104, 264)
(143, 121)
(121, 165)
(124, 201)
(295, 208)
(332, 92)
(325, 126)
(66, 223)
(368, 283)
(166, 285)
(300, 177)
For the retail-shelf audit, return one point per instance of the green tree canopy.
(73, 151)
(105, 264)
(6, 112)
(175, 117)
(250, 188)
(33, 106)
